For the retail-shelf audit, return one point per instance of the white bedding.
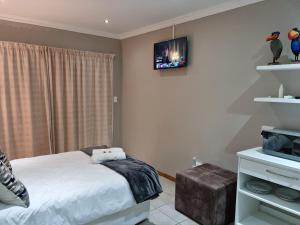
(66, 189)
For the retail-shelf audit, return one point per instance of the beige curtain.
(82, 98)
(24, 100)
(53, 100)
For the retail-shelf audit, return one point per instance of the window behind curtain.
(53, 100)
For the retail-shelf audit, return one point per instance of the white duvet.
(66, 189)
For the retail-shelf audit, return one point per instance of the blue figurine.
(276, 46)
(295, 45)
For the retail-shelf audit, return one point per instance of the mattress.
(130, 216)
(67, 189)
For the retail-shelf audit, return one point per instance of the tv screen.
(171, 54)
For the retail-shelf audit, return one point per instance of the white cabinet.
(256, 209)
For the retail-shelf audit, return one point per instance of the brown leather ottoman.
(206, 194)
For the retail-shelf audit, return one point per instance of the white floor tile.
(158, 218)
(170, 211)
(189, 222)
(156, 203)
(167, 198)
(168, 186)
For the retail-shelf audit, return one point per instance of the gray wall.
(19, 32)
(207, 109)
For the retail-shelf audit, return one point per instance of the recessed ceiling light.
(106, 21)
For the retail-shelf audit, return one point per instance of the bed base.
(131, 216)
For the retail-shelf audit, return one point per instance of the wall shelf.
(277, 100)
(260, 218)
(292, 207)
(280, 67)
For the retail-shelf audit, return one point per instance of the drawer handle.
(281, 175)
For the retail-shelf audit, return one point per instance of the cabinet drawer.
(273, 174)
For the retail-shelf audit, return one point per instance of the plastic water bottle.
(194, 162)
(280, 91)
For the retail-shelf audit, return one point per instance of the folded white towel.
(116, 149)
(108, 150)
(102, 155)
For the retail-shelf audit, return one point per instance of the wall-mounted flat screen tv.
(171, 54)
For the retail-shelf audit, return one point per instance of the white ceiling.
(127, 17)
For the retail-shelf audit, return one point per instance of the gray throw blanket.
(142, 178)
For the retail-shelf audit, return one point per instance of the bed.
(67, 189)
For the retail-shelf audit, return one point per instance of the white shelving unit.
(257, 209)
(277, 100)
(279, 67)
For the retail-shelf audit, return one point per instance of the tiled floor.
(162, 211)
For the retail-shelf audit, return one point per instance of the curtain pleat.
(53, 100)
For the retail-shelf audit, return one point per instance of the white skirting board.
(129, 216)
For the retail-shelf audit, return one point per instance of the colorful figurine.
(295, 45)
(276, 46)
